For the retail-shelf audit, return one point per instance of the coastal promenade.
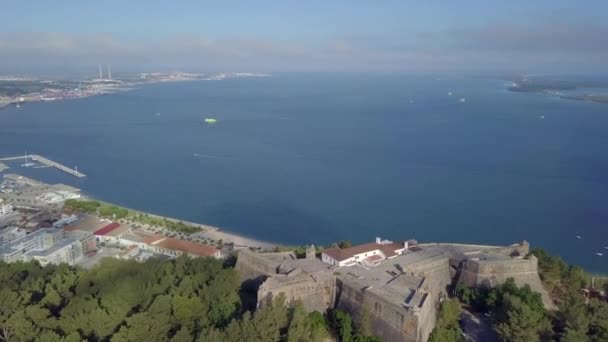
(206, 231)
(35, 157)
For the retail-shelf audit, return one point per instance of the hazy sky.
(407, 36)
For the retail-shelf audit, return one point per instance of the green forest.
(172, 300)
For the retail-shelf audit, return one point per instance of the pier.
(47, 162)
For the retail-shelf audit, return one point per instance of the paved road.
(477, 327)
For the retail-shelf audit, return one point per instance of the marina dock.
(47, 162)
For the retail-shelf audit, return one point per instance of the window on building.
(378, 308)
(400, 318)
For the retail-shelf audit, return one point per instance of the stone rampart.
(391, 321)
(255, 267)
(477, 272)
(317, 292)
(490, 273)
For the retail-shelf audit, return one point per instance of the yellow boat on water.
(210, 121)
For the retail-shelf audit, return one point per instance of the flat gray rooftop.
(399, 278)
(57, 246)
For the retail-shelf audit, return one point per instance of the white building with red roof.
(367, 254)
(168, 246)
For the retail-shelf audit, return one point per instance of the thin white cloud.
(547, 46)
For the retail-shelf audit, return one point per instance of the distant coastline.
(559, 88)
(17, 91)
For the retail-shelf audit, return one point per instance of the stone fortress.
(399, 286)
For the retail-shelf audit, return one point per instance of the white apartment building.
(47, 245)
(6, 208)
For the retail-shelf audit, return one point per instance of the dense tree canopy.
(89, 207)
(117, 300)
(518, 312)
(578, 319)
(173, 300)
(448, 325)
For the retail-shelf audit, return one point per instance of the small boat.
(210, 120)
(157, 114)
(579, 237)
(411, 101)
(462, 99)
(541, 117)
(18, 105)
(600, 254)
(449, 93)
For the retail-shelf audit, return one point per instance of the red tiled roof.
(118, 230)
(106, 229)
(373, 258)
(151, 239)
(187, 247)
(347, 253)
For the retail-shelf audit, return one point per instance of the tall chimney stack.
(109, 72)
(100, 72)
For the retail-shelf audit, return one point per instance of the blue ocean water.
(319, 158)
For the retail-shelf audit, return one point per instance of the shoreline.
(207, 231)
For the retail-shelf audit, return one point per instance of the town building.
(111, 232)
(10, 234)
(168, 246)
(175, 247)
(57, 196)
(140, 239)
(6, 208)
(65, 220)
(87, 240)
(68, 251)
(46, 245)
(128, 253)
(369, 253)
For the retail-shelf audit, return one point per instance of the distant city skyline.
(384, 36)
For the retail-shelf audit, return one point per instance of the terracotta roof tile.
(118, 230)
(107, 228)
(151, 239)
(187, 247)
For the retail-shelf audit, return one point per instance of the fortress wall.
(518, 249)
(427, 266)
(315, 295)
(427, 316)
(416, 324)
(436, 283)
(492, 273)
(385, 324)
(253, 266)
